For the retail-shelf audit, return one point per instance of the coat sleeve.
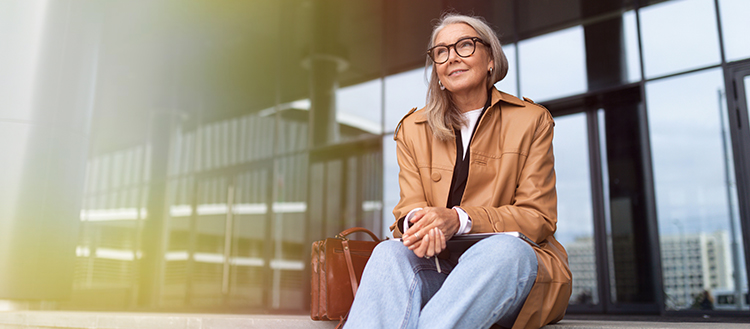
(533, 211)
(409, 180)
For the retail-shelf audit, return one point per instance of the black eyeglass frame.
(473, 39)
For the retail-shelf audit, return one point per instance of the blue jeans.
(487, 284)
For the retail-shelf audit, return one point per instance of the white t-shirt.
(471, 118)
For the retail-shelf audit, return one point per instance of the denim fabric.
(487, 284)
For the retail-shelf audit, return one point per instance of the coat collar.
(497, 96)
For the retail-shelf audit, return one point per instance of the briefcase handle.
(346, 232)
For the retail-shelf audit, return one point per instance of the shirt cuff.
(409, 217)
(465, 221)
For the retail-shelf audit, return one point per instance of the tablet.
(459, 243)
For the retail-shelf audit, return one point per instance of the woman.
(474, 160)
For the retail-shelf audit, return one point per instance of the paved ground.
(103, 320)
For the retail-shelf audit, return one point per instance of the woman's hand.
(432, 227)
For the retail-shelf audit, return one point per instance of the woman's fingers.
(444, 218)
(417, 216)
(442, 240)
(417, 241)
(439, 241)
(433, 243)
(421, 249)
(413, 239)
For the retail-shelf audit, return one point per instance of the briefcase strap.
(350, 266)
(346, 232)
(341, 322)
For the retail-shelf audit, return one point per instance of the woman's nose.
(452, 54)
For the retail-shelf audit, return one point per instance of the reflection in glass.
(694, 190)
(179, 222)
(632, 57)
(734, 26)
(288, 234)
(631, 266)
(113, 210)
(575, 226)
(678, 36)
(510, 83)
(207, 279)
(390, 182)
(611, 51)
(553, 65)
(358, 110)
(370, 186)
(602, 125)
(403, 92)
(292, 134)
(249, 227)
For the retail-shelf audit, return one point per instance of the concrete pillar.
(325, 61)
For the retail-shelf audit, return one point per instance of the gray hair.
(442, 116)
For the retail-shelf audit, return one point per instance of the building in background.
(183, 155)
(691, 264)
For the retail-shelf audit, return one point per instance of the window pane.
(404, 91)
(632, 57)
(679, 36)
(359, 110)
(208, 280)
(287, 239)
(553, 65)
(510, 83)
(250, 213)
(390, 182)
(694, 182)
(734, 26)
(575, 227)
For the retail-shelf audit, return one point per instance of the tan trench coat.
(510, 187)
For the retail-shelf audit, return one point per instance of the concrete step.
(105, 320)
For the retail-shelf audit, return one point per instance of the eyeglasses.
(464, 48)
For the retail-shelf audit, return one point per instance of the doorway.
(605, 202)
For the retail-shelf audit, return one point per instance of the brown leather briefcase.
(337, 265)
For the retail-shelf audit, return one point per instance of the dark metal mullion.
(744, 226)
(599, 211)
(728, 175)
(720, 32)
(738, 114)
(649, 188)
(650, 199)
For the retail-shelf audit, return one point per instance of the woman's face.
(463, 74)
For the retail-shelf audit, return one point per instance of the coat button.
(436, 176)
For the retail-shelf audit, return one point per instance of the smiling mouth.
(456, 72)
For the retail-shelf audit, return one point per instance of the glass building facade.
(183, 155)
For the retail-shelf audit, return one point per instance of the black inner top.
(461, 168)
